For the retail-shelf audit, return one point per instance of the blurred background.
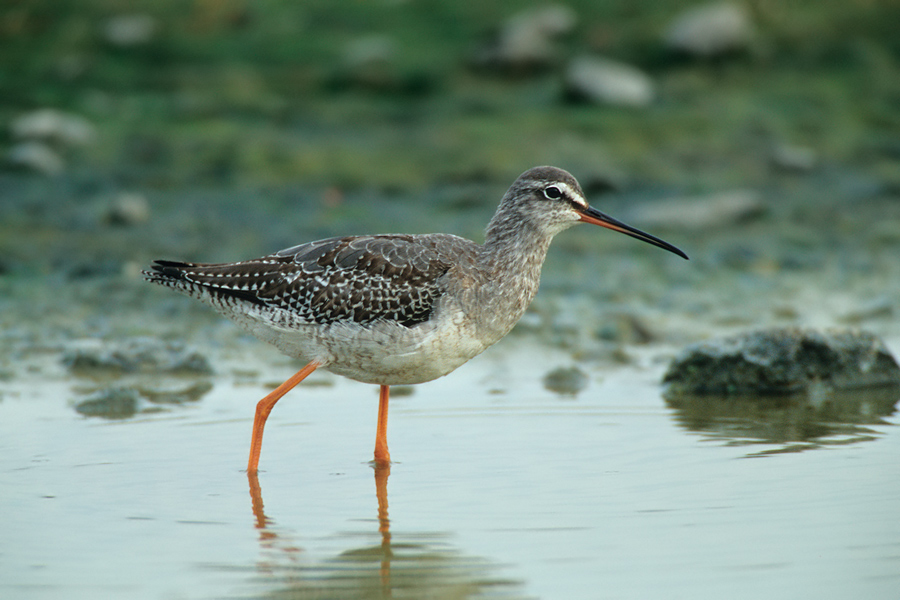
(302, 107)
(761, 137)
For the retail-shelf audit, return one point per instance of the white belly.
(383, 352)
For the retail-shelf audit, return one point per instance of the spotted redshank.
(395, 309)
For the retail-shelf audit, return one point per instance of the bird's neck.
(511, 261)
(511, 252)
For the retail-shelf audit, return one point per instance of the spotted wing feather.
(360, 279)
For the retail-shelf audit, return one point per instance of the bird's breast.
(386, 353)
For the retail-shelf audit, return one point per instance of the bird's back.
(332, 299)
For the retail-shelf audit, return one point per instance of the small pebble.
(793, 159)
(53, 125)
(566, 380)
(526, 41)
(36, 156)
(604, 81)
(128, 209)
(112, 403)
(130, 30)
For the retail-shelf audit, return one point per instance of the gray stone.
(370, 63)
(36, 156)
(112, 403)
(793, 159)
(134, 355)
(371, 51)
(130, 30)
(604, 81)
(711, 30)
(566, 380)
(128, 208)
(526, 41)
(53, 125)
(701, 213)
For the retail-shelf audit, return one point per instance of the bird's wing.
(360, 279)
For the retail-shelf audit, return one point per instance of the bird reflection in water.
(279, 547)
(418, 565)
(382, 472)
(269, 540)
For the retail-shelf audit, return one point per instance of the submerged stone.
(180, 395)
(112, 403)
(135, 355)
(566, 380)
(781, 362)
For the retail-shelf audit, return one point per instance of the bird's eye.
(551, 192)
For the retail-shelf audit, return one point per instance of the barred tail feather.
(183, 277)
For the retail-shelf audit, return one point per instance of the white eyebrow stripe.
(571, 194)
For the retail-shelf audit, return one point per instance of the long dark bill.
(595, 217)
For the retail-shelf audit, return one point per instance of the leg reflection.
(427, 565)
(274, 544)
(269, 539)
(382, 472)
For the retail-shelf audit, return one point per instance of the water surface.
(500, 488)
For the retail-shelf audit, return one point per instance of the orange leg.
(264, 407)
(382, 456)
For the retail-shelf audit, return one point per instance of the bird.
(394, 309)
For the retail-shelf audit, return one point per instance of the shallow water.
(499, 488)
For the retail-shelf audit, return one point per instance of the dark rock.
(191, 393)
(112, 403)
(782, 361)
(566, 380)
(125, 402)
(134, 355)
